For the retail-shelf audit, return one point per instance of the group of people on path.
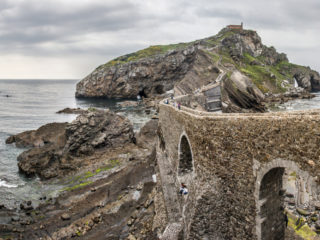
(166, 101)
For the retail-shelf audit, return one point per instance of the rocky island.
(121, 184)
(248, 72)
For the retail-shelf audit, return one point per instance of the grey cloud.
(31, 25)
(114, 27)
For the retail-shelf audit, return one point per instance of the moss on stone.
(82, 180)
(304, 231)
(76, 186)
(292, 176)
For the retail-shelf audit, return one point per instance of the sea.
(29, 104)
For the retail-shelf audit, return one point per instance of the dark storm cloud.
(109, 28)
(32, 22)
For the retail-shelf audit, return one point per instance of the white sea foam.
(3, 183)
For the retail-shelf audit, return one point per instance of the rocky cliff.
(190, 66)
(60, 148)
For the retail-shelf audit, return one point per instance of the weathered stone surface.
(129, 103)
(239, 94)
(317, 206)
(49, 133)
(65, 216)
(232, 153)
(303, 212)
(147, 135)
(96, 130)
(191, 66)
(145, 77)
(307, 78)
(87, 133)
(73, 111)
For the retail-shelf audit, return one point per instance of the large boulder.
(239, 94)
(147, 136)
(97, 129)
(88, 132)
(49, 133)
(307, 78)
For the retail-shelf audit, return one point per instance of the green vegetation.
(265, 77)
(145, 53)
(215, 40)
(214, 57)
(303, 230)
(76, 186)
(92, 109)
(292, 176)
(82, 180)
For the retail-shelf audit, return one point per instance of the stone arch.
(185, 164)
(271, 205)
(269, 196)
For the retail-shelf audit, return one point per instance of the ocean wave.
(3, 183)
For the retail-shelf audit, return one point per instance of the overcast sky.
(54, 39)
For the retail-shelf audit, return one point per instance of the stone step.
(213, 100)
(214, 109)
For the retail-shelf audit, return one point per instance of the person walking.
(183, 189)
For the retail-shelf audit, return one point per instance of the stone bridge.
(233, 166)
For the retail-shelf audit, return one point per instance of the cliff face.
(189, 66)
(148, 76)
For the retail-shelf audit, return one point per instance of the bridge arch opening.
(272, 205)
(185, 157)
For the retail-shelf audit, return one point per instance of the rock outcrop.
(187, 67)
(146, 137)
(46, 134)
(73, 111)
(70, 143)
(239, 94)
(146, 77)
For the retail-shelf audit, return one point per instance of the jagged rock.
(73, 111)
(289, 195)
(291, 202)
(307, 78)
(303, 212)
(15, 219)
(146, 137)
(239, 94)
(317, 225)
(191, 66)
(46, 134)
(88, 132)
(245, 41)
(317, 206)
(65, 216)
(26, 206)
(146, 77)
(129, 104)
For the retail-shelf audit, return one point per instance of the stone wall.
(232, 153)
